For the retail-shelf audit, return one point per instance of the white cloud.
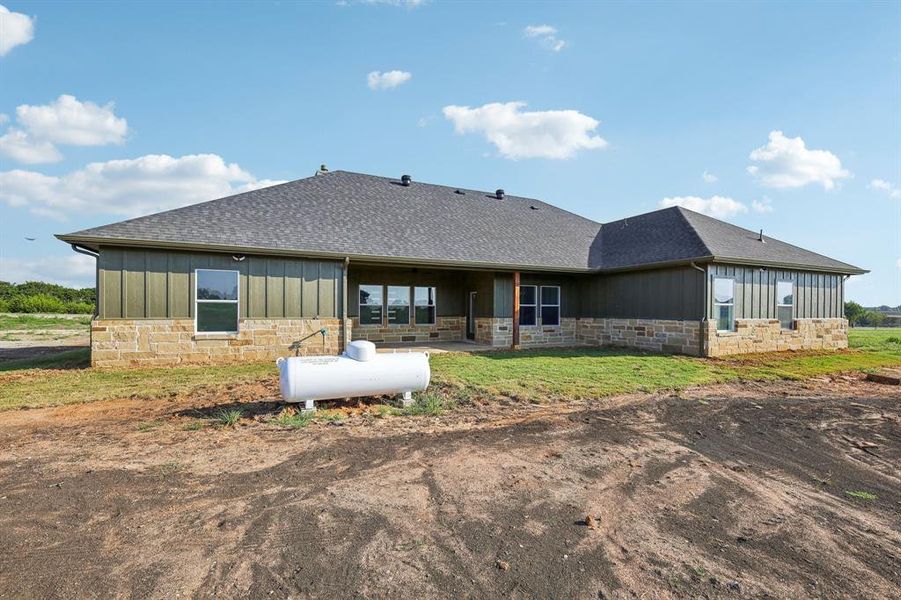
(709, 177)
(64, 121)
(4, 118)
(74, 270)
(377, 80)
(127, 187)
(21, 147)
(787, 163)
(721, 207)
(546, 36)
(70, 121)
(898, 263)
(16, 29)
(762, 206)
(885, 186)
(518, 134)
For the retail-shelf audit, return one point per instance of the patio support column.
(515, 310)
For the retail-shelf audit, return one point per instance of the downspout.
(702, 324)
(515, 344)
(344, 267)
(95, 256)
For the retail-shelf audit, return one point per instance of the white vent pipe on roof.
(360, 371)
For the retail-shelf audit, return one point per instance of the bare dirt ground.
(727, 491)
(20, 344)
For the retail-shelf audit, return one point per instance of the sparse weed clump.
(229, 418)
(861, 495)
(291, 418)
(146, 426)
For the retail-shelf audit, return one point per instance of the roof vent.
(460, 192)
(533, 207)
(499, 194)
(406, 180)
(760, 237)
(322, 170)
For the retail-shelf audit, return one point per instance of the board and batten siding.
(666, 294)
(817, 295)
(135, 283)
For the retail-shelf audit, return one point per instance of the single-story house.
(258, 275)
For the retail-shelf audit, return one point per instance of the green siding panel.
(109, 294)
(293, 279)
(256, 287)
(156, 285)
(817, 295)
(134, 275)
(275, 288)
(309, 289)
(327, 289)
(178, 288)
(136, 283)
(652, 294)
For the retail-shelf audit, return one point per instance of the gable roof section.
(730, 243)
(343, 214)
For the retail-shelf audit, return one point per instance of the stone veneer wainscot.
(445, 329)
(167, 342)
(767, 335)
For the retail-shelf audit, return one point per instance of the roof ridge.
(487, 192)
(681, 212)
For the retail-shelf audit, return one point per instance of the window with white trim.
(398, 305)
(528, 305)
(785, 304)
(371, 303)
(424, 305)
(550, 305)
(724, 303)
(216, 301)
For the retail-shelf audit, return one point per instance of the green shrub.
(79, 308)
(4, 305)
(37, 303)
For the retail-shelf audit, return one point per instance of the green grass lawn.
(20, 322)
(531, 375)
(875, 339)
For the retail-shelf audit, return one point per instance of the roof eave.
(95, 242)
(846, 270)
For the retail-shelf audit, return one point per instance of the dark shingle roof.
(351, 214)
(678, 234)
(345, 213)
(726, 241)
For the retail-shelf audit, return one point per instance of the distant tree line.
(39, 297)
(858, 316)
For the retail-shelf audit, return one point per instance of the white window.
(371, 304)
(550, 305)
(528, 305)
(424, 305)
(398, 305)
(724, 303)
(785, 304)
(216, 301)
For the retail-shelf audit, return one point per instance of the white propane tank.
(360, 371)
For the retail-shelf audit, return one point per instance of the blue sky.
(118, 109)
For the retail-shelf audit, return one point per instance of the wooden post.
(515, 310)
